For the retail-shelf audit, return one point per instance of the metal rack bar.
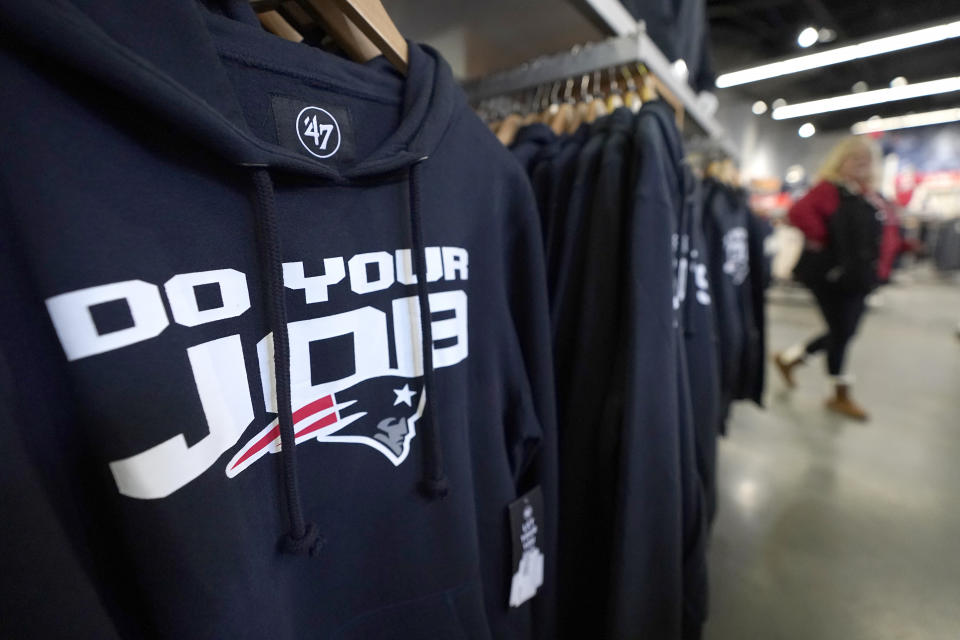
(611, 14)
(622, 50)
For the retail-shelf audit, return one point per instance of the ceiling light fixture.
(680, 69)
(826, 35)
(759, 108)
(877, 96)
(940, 116)
(808, 37)
(899, 81)
(806, 130)
(864, 49)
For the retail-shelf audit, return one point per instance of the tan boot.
(785, 366)
(843, 404)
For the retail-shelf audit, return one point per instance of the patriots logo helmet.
(381, 413)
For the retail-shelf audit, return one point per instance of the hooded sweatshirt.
(725, 219)
(701, 342)
(658, 527)
(275, 353)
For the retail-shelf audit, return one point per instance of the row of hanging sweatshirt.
(655, 283)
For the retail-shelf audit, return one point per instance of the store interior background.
(826, 529)
(478, 39)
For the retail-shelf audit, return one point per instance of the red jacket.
(811, 212)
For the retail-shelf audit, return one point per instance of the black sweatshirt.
(659, 511)
(215, 241)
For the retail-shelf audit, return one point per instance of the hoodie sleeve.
(533, 424)
(534, 459)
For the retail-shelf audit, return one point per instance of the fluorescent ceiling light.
(878, 96)
(808, 37)
(940, 116)
(863, 49)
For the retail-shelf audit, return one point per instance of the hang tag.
(318, 130)
(526, 532)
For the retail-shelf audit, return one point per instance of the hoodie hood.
(167, 57)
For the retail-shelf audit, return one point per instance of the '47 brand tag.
(319, 130)
(526, 520)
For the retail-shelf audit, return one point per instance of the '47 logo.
(375, 398)
(318, 131)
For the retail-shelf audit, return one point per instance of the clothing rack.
(629, 49)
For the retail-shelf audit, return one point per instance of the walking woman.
(842, 231)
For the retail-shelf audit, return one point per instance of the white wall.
(768, 147)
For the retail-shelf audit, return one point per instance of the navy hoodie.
(701, 342)
(702, 382)
(758, 230)
(223, 256)
(658, 525)
(590, 383)
(559, 178)
(725, 229)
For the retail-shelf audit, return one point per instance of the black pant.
(842, 311)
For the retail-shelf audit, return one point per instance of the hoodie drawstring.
(434, 483)
(302, 538)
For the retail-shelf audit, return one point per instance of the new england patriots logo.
(381, 400)
(327, 419)
(355, 376)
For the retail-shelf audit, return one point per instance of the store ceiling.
(749, 32)
(478, 38)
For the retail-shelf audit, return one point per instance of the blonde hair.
(830, 169)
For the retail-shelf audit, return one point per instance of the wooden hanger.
(278, 26)
(582, 107)
(533, 115)
(631, 98)
(614, 98)
(561, 121)
(552, 106)
(508, 129)
(597, 108)
(648, 89)
(363, 29)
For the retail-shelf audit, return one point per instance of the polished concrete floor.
(829, 529)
